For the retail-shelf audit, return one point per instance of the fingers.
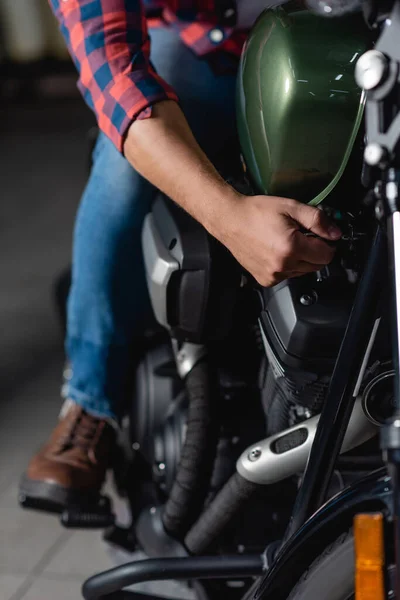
(305, 267)
(314, 220)
(312, 250)
(301, 268)
(271, 245)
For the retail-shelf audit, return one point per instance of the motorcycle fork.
(390, 435)
(388, 205)
(344, 387)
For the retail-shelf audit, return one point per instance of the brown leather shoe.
(72, 466)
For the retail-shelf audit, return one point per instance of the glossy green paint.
(299, 108)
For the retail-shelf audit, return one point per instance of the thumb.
(315, 220)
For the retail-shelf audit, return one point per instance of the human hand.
(264, 233)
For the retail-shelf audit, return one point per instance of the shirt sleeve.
(109, 43)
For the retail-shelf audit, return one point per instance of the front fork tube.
(392, 458)
(343, 388)
(390, 436)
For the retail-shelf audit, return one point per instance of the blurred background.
(44, 153)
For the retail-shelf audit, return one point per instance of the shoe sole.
(45, 496)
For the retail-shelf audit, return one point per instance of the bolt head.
(255, 454)
(379, 211)
(307, 300)
(370, 69)
(375, 154)
(378, 190)
(392, 191)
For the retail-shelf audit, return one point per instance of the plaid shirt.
(109, 43)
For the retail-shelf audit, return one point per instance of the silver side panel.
(262, 465)
(159, 265)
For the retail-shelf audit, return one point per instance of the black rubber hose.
(160, 569)
(218, 515)
(191, 485)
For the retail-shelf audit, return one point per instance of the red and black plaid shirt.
(109, 43)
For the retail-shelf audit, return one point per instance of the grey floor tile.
(27, 422)
(84, 554)
(9, 494)
(81, 556)
(9, 584)
(28, 418)
(25, 538)
(47, 589)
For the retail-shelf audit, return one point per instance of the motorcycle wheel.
(331, 575)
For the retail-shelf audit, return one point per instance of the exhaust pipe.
(286, 453)
(272, 460)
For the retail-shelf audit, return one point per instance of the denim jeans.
(108, 304)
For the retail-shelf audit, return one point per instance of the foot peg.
(41, 504)
(91, 515)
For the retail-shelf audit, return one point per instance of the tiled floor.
(43, 158)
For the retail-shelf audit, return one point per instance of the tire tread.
(336, 546)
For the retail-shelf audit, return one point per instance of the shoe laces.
(84, 433)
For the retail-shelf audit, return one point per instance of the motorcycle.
(257, 412)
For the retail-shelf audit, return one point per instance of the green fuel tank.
(299, 109)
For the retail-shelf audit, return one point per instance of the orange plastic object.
(370, 557)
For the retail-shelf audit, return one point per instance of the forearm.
(164, 150)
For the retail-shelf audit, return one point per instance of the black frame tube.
(390, 433)
(340, 398)
(161, 569)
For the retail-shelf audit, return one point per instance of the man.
(161, 122)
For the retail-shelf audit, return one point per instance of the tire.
(331, 575)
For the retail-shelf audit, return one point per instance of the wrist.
(221, 218)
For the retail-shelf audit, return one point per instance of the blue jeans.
(108, 305)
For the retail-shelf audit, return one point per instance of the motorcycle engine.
(159, 414)
(158, 419)
(302, 326)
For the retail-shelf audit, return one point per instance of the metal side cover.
(159, 265)
(264, 465)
